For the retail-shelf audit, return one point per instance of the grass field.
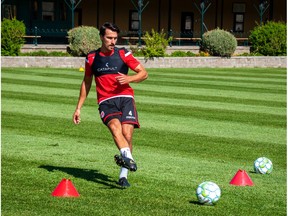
(196, 125)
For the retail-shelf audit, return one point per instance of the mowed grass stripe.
(225, 84)
(212, 105)
(225, 72)
(212, 86)
(162, 97)
(213, 128)
(27, 77)
(165, 122)
(72, 75)
(203, 98)
(211, 92)
(216, 80)
(213, 114)
(45, 72)
(255, 118)
(27, 97)
(42, 90)
(233, 72)
(67, 84)
(41, 83)
(192, 144)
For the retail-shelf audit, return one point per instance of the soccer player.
(109, 65)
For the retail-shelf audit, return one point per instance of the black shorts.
(122, 108)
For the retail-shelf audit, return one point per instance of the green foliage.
(82, 40)
(219, 42)
(12, 32)
(269, 39)
(182, 54)
(45, 53)
(155, 44)
(136, 50)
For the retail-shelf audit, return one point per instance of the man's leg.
(116, 130)
(123, 145)
(127, 130)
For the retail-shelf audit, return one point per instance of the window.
(188, 23)
(239, 22)
(133, 21)
(9, 11)
(239, 9)
(187, 19)
(48, 11)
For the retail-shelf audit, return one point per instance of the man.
(109, 65)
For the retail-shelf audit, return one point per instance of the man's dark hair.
(110, 26)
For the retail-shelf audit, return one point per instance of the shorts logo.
(102, 114)
(130, 115)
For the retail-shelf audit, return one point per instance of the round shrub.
(82, 40)
(12, 32)
(269, 39)
(218, 42)
(155, 44)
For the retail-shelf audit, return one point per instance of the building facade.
(51, 19)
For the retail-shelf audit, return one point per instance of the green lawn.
(196, 125)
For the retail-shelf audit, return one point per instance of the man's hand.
(76, 116)
(123, 79)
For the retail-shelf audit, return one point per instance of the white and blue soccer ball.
(208, 193)
(263, 165)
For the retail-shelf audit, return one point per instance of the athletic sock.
(123, 173)
(125, 152)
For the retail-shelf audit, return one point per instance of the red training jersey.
(105, 69)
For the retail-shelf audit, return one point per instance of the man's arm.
(141, 75)
(84, 91)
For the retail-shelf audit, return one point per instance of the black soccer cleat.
(123, 182)
(125, 162)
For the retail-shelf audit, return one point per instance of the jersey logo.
(102, 114)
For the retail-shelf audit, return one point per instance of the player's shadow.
(87, 174)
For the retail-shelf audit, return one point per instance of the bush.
(45, 53)
(269, 39)
(137, 51)
(156, 44)
(218, 42)
(82, 40)
(182, 54)
(12, 32)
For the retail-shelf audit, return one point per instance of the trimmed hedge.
(12, 32)
(219, 42)
(82, 40)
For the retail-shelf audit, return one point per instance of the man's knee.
(127, 131)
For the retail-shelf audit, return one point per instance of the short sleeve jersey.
(106, 68)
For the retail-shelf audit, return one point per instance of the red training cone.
(241, 179)
(65, 189)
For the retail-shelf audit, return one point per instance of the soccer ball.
(263, 165)
(208, 193)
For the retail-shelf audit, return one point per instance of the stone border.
(166, 62)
